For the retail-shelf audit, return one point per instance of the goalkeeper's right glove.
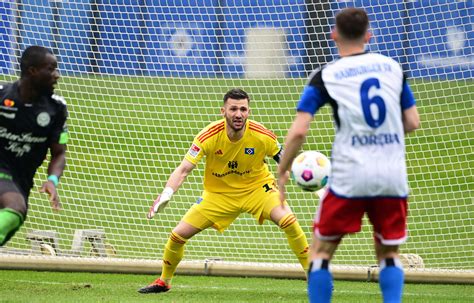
(160, 202)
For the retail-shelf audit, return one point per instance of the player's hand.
(282, 180)
(49, 188)
(160, 202)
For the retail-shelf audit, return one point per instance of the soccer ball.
(310, 170)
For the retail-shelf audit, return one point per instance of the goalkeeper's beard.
(232, 124)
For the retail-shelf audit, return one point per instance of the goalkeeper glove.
(160, 203)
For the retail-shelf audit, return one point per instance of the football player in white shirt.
(373, 108)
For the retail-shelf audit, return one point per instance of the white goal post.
(141, 78)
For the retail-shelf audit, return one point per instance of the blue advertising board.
(387, 25)
(207, 38)
(430, 38)
(441, 39)
(75, 50)
(240, 15)
(181, 38)
(120, 40)
(6, 32)
(60, 26)
(36, 23)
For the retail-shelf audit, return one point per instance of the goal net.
(141, 78)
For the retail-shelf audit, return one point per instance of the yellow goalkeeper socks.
(296, 238)
(10, 222)
(174, 251)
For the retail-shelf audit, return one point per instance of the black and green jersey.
(26, 133)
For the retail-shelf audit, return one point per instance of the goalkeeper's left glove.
(160, 203)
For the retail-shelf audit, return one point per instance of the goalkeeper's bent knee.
(10, 222)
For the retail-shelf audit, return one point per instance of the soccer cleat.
(156, 287)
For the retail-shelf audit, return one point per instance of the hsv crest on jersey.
(249, 151)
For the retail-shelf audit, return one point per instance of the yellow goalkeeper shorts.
(222, 210)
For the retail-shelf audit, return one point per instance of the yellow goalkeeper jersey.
(234, 167)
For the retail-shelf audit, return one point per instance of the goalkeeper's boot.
(157, 286)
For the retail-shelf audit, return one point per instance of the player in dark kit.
(32, 120)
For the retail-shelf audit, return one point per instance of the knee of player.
(21, 209)
(287, 220)
(14, 202)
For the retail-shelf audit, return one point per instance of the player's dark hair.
(32, 56)
(237, 94)
(352, 23)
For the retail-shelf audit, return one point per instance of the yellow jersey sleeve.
(195, 153)
(200, 143)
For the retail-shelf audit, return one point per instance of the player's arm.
(294, 140)
(410, 116)
(175, 180)
(55, 170)
(411, 119)
(58, 159)
(178, 176)
(57, 148)
(312, 98)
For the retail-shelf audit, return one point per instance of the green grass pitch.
(46, 287)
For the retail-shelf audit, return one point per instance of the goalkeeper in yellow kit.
(236, 180)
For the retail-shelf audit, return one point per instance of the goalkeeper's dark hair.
(352, 23)
(32, 56)
(237, 94)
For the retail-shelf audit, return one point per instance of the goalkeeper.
(236, 180)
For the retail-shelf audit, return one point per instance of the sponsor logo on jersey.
(18, 148)
(24, 137)
(219, 152)
(19, 144)
(8, 103)
(8, 115)
(379, 139)
(249, 151)
(43, 119)
(231, 172)
(194, 150)
(232, 164)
